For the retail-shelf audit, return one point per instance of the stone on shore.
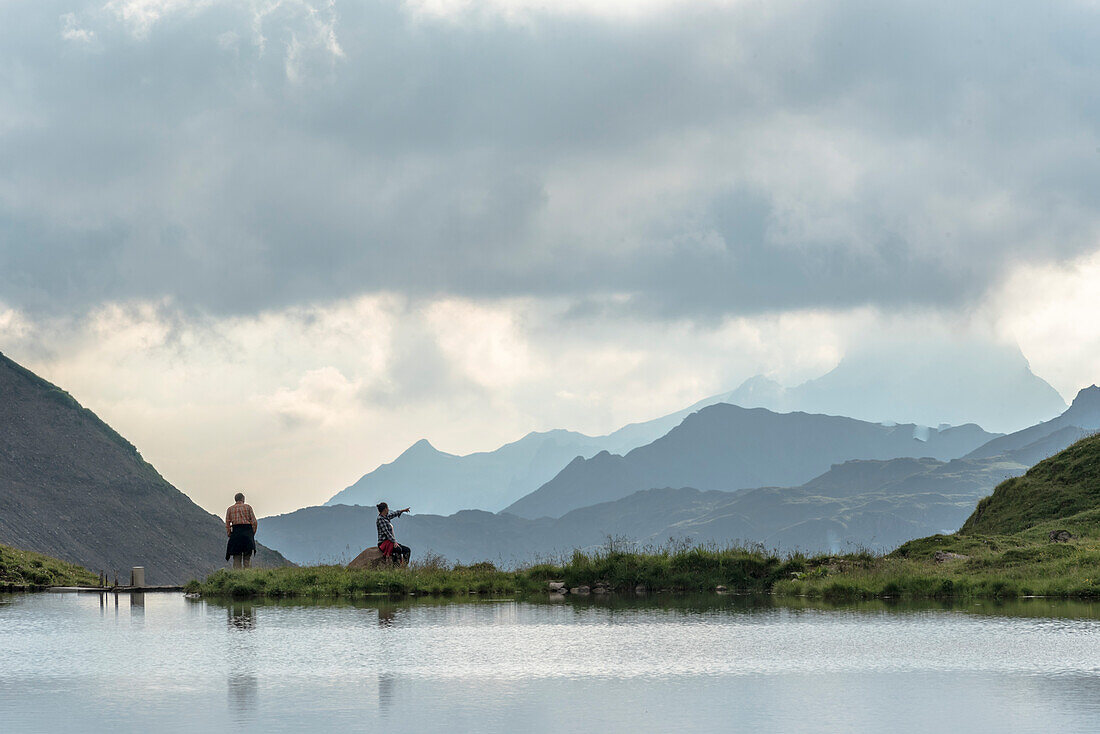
(580, 590)
(1060, 536)
(370, 558)
(557, 587)
(945, 556)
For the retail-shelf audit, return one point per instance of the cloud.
(1050, 310)
(294, 404)
(275, 243)
(699, 159)
(323, 396)
(71, 30)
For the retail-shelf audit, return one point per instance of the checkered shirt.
(385, 527)
(239, 513)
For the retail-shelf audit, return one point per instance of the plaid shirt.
(385, 527)
(239, 513)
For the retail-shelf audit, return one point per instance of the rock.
(579, 590)
(1061, 536)
(370, 558)
(945, 556)
(600, 590)
(556, 586)
(640, 589)
(720, 589)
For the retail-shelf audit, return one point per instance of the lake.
(163, 663)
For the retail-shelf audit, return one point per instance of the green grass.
(26, 568)
(681, 569)
(997, 567)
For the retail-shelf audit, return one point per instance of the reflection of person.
(240, 526)
(386, 615)
(241, 616)
(387, 543)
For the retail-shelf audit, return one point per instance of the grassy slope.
(1005, 543)
(26, 568)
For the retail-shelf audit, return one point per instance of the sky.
(274, 242)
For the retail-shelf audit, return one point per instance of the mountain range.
(442, 483)
(873, 503)
(973, 384)
(727, 447)
(73, 488)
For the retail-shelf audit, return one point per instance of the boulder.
(557, 587)
(640, 589)
(720, 589)
(579, 590)
(945, 556)
(1060, 536)
(370, 558)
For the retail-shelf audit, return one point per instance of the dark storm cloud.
(700, 161)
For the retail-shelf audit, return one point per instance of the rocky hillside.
(73, 488)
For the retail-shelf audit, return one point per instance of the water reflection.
(137, 602)
(387, 614)
(242, 681)
(387, 683)
(243, 687)
(241, 616)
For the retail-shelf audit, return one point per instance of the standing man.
(240, 526)
(387, 543)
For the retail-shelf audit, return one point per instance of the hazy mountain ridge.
(984, 384)
(990, 386)
(73, 488)
(443, 483)
(1083, 414)
(727, 447)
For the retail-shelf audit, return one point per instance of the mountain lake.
(165, 663)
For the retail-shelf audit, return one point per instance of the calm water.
(164, 663)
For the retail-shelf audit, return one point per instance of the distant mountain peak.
(758, 381)
(1085, 409)
(423, 447)
(1087, 396)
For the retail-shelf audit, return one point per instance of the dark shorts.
(242, 541)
